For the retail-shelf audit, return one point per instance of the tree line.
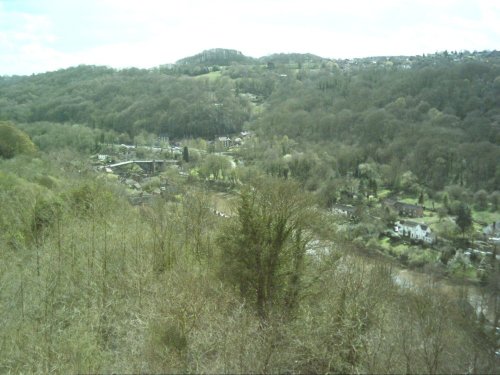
(433, 116)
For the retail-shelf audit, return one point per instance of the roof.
(411, 223)
(407, 205)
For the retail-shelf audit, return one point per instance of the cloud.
(51, 34)
(25, 41)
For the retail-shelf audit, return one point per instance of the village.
(232, 214)
(159, 170)
(420, 229)
(412, 233)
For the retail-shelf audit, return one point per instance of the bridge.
(149, 166)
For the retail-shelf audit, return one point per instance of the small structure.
(416, 231)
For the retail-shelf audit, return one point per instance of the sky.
(46, 35)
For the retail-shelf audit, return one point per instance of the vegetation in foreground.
(92, 284)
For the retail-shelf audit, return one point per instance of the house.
(410, 210)
(344, 209)
(224, 142)
(492, 231)
(245, 134)
(405, 209)
(416, 231)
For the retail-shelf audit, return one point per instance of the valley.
(227, 214)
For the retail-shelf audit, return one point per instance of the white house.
(224, 141)
(344, 209)
(492, 231)
(416, 231)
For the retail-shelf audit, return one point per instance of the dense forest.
(235, 263)
(436, 116)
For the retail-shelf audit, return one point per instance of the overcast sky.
(45, 35)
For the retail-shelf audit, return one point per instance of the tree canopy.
(264, 250)
(14, 141)
(436, 115)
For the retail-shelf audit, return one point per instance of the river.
(478, 297)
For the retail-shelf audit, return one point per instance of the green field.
(485, 216)
(212, 76)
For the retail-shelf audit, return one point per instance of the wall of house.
(416, 233)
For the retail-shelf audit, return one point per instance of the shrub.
(14, 141)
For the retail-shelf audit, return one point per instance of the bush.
(14, 141)
(481, 200)
(403, 258)
(92, 198)
(446, 255)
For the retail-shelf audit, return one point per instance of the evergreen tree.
(185, 154)
(362, 188)
(372, 184)
(446, 201)
(421, 198)
(264, 249)
(464, 218)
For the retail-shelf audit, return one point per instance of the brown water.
(478, 297)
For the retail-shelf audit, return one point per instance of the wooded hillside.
(437, 116)
(140, 270)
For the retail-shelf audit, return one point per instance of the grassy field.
(485, 216)
(409, 200)
(211, 76)
(409, 254)
(384, 193)
(429, 218)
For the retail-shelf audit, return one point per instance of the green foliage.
(86, 277)
(14, 141)
(421, 199)
(215, 166)
(481, 200)
(92, 199)
(495, 200)
(464, 218)
(106, 278)
(263, 251)
(49, 136)
(217, 56)
(126, 101)
(442, 109)
(46, 211)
